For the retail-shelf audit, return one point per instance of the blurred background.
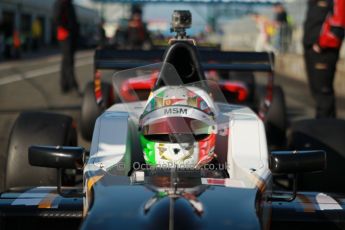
(229, 25)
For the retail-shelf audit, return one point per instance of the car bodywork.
(251, 180)
(118, 191)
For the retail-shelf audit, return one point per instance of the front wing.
(39, 208)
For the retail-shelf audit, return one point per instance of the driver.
(178, 127)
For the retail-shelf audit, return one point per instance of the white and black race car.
(182, 159)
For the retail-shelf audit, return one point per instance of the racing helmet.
(178, 128)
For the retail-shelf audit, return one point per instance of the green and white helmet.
(178, 127)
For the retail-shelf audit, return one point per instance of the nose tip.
(176, 151)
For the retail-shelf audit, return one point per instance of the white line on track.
(39, 72)
(46, 60)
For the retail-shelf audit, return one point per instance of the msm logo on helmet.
(168, 111)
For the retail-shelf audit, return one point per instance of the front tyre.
(276, 120)
(36, 128)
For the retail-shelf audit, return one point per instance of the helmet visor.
(177, 125)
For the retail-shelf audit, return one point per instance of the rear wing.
(210, 59)
(112, 59)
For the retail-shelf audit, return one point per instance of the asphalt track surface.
(33, 85)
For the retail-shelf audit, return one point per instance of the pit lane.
(33, 84)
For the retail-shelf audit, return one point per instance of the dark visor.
(177, 125)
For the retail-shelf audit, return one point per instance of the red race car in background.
(139, 89)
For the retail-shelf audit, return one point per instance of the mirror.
(56, 157)
(286, 162)
(293, 162)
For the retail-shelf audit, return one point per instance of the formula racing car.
(184, 158)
